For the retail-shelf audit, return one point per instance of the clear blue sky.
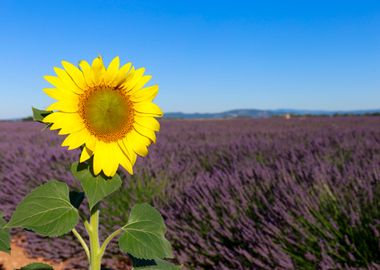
(207, 56)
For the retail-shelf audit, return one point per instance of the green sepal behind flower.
(38, 115)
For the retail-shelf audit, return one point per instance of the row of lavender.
(236, 194)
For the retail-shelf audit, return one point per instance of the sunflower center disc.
(107, 114)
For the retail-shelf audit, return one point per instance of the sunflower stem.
(93, 233)
(109, 239)
(82, 242)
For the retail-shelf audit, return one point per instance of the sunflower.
(105, 111)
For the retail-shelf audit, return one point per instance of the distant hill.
(249, 113)
(254, 113)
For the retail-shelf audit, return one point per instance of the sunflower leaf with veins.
(97, 187)
(5, 237)
(144, 234)
(46, 210)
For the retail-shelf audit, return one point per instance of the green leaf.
(95, 187)
(144, 234)
(38, 115)
(37, 266)
(46, 210)
(158, 265)
(5, 237)
(140, 264)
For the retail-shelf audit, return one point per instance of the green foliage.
(37, 266)
(46, 210)
(39, 115)
(144, 234)
(5, 238)
(141, 264)
(349, 243)
(144, 188)
(95, 187)
(340, 157)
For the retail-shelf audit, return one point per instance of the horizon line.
(246, 109)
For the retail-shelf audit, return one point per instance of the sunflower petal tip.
(82, 62)
(65, 63)
(57, 69)
(63, 144)
(107, 173)
(96, 171)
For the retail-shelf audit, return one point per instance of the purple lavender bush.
(236, 194)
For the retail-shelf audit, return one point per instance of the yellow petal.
(75, 74)
(147, 108)
(125, 69)
(57, 82)
(128, 152)
(87, 73)
(85, 155)
(122, 74)
(140, 84)
(66, 122)
(67, 81)
(124, 160)
(140, 138)
(137, 142)
(133, 79)
(104, 158)
(64, 106)
(145, 94)
(74, 140)
(59, 94)
(90, 141)
(127, 165)
(145, 132)
(148, 122)
(112, 71)
(99, 153)
(98, 70)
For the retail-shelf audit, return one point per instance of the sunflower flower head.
(106, 111)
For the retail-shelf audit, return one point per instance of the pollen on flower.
(107, 113)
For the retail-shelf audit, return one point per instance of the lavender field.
(236, 194)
